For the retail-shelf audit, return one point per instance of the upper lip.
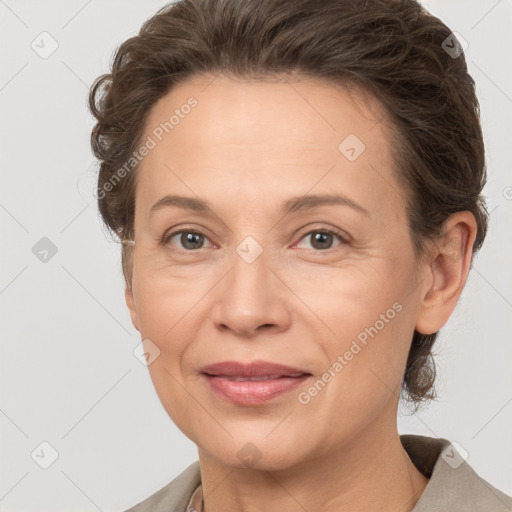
(252, 369)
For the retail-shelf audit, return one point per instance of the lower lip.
(253, 392)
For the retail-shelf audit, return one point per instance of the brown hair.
(394, 49)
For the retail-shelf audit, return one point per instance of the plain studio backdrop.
(74, 396)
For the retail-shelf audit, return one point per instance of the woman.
(297, 186)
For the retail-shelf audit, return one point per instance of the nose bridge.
(248, 282)
(251, 296)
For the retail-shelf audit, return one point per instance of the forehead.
(265, 138)
(312, 112)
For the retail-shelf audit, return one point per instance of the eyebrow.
(293, 205)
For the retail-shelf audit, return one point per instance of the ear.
(130, 302)
(449, 264)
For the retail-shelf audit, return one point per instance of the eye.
(190, 240)
(322, 239)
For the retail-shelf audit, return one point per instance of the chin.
(260, 454)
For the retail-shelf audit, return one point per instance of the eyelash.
(342, 238)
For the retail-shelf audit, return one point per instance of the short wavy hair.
(395, 50)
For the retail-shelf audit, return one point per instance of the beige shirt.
(453, 485)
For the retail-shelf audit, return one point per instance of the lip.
(255, 383)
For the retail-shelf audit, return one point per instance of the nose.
(253, 299)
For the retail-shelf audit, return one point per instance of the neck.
(372, 471)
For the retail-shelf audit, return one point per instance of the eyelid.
(342, 236)
(170, 233)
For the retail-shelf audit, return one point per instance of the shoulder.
(174, 497)
(454, 485)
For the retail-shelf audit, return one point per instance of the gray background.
(68, 374)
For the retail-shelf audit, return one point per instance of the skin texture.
(247, 147)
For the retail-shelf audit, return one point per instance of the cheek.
(358, 313)
(370, 316)
(165, 309)
(352, 298)
(165, 300)
(364, 373)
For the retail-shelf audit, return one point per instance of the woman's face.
(266, 273)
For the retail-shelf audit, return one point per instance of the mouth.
(255, 383)
(254, 379)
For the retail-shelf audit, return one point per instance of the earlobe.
(449, 267)
(130, 302)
